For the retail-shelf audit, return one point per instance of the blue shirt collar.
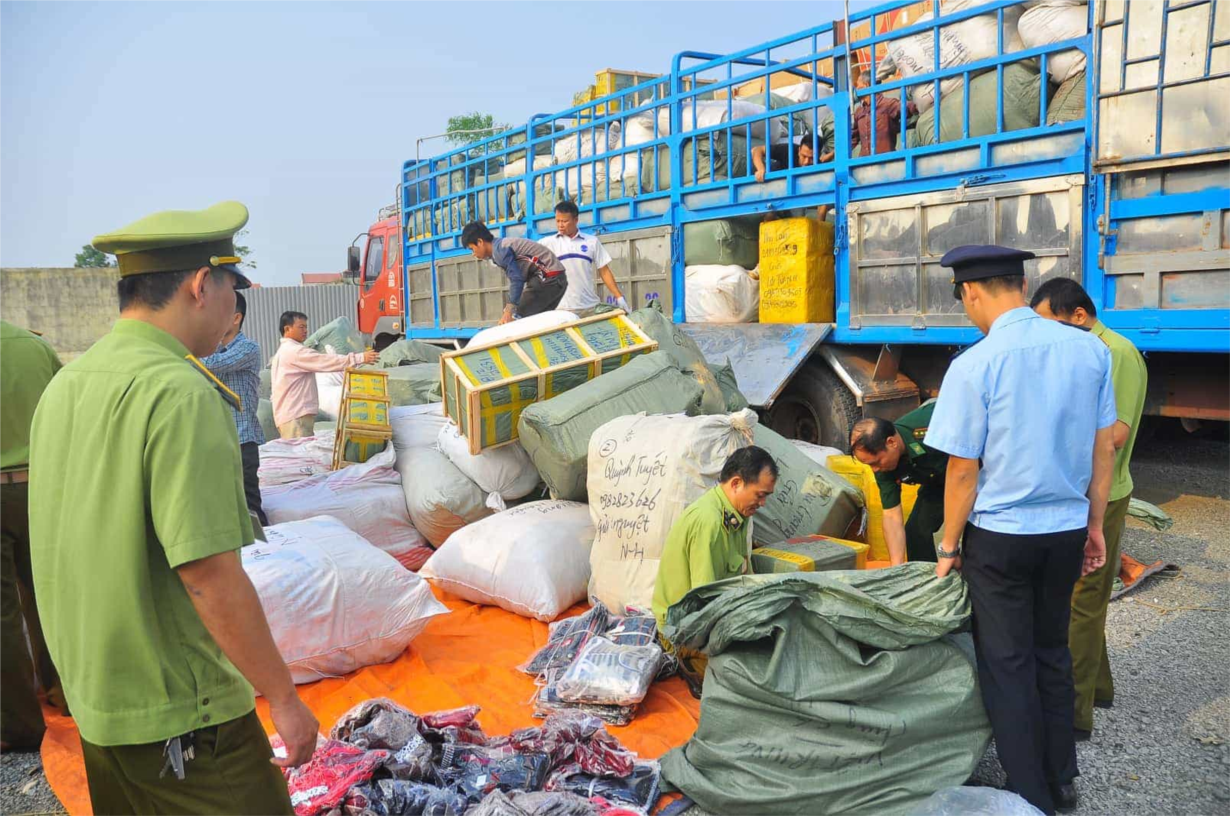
(1013, 316)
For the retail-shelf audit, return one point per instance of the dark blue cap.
(979, 261)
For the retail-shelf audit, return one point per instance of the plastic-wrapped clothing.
(607, 674)
(377, 723)
(395, 797)
(536, 803)
(974, 801)
(457, 725)
(547, 703)
(483, 770)
(640, 788)
(575, 743)
(566, 638)
(335, 767)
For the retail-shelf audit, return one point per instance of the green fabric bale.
(556, 432)
(336, 337)
(266, 387)
(809, 499)
(408, 352)
(1022, 95)
(685, 354)
(416, 384)
(723, 241)
(264, 415)
(712, 162)
(725, 376)
(1067, 103)
(829, 692)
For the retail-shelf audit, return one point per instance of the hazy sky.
(303, 111)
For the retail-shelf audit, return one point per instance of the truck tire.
(816, 407)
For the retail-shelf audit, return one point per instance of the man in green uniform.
(27, 364)
(1064, 299)
(137, 515)
(710, 541)
(896, 454)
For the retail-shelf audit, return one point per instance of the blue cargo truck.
(1104, 149)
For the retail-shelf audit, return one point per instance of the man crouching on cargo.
(537, 280)
(710, 542)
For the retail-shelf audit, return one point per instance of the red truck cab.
(379, 276)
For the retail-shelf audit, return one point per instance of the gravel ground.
(1165, 746)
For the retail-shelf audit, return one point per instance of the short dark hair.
(871, 434)
(241, 306)
(288, 319)
(474, 232)
(995, 285)
(568, 208)
(748, 463)
(1065, 296)
(154, 290)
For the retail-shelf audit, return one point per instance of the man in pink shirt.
(293, 370)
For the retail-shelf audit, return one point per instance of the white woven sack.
(721, 294)
(333, 601)
(1052, 22)
(643, 473)
(504, 473)
(532, 560)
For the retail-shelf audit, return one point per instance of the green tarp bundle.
(266, 387)
(416, 384)
(686, 355)
(705, 160)
(1022, 94)
(264, 415)
(340, 336)
(725, 375)
(723, 241)
(408, 352)
(829, 692)
(1067, 103)
(556, 432)
(809, 499)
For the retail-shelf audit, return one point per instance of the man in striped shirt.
(237, 363)
(537, 280)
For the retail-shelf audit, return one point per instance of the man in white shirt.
(581, 254)
(293, 371)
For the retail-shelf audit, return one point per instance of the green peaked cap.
(174, 240)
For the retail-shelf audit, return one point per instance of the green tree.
(474, 120)
(243, 250)
(91, 258)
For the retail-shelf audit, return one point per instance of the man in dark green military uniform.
(137, 514)
(896, 454)
(27, 364)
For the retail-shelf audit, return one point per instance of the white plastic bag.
(329, 394)
(721, 294)
(504, 473)
(962, 42)
(333, 601)
(974, 801)
(289, 460)
(367, 498)
(532, 560)
(518, 328)
(1052, 22)
(643, 472)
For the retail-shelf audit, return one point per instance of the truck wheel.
(816, 407)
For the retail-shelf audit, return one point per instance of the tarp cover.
(829, 692)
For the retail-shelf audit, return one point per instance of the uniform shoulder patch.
(920, 433)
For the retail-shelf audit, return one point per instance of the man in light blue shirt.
(1026, 416)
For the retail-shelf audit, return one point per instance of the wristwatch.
(943, 553)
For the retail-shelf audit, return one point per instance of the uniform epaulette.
(232, 399)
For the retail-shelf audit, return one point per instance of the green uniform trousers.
(230, 773)
(21, 715)
(926, 517)
(1087, 631)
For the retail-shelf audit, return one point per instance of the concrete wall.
(71, 307)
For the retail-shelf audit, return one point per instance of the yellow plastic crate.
(861, 476)
(367, 412)
(796, 271)
(367, 382)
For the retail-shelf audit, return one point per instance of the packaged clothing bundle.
(322, 783)
(639, 789)
(605, 673)
(396, 797)
(823, 692)
(367, 498)
(537, 803)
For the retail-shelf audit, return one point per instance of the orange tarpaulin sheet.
(467, 657)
